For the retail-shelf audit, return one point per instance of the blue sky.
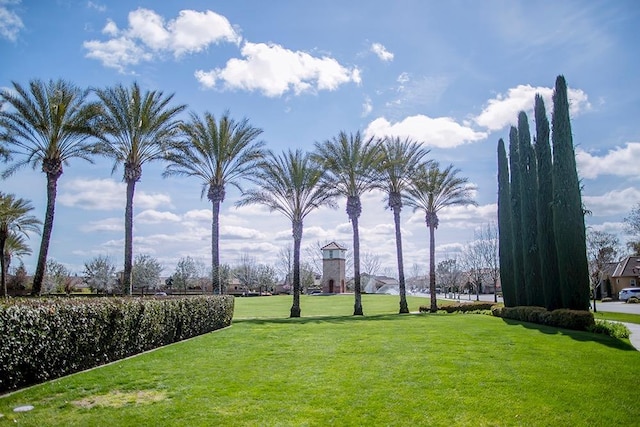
(450, 74)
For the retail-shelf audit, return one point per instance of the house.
(626, 274)
(379, 284)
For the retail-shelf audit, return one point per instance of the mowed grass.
(381, 369)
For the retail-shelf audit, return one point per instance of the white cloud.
(503, 110)
(148, 35)
(403, 78)
(367, 107)
(613, 202)
(10, 22)
(233, 232)
(108, 224)
(97, 6)
(106, 194)
(620, 161)
(151, 216)
(381, 52)
(275, 70)
(441, 132)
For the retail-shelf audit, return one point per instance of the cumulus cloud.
(613, 202)
(441, 132)
(275, 70)
(106, 194)
(381, 52)
(503, 110)
(151, 216)
(10, 22)
(148, 36)
(234, 232)
(620, 161)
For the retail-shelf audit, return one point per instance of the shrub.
(633, 300)
(561, 318)
(460, 307)
(44, 339)
(613, 329)
(467, 307)
(607, 299)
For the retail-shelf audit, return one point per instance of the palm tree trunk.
(404, 308)
(432, 268)
(52, 185)
(357, 307)
(216, 287)
(128, 237)
(297, 239)
(3, 267)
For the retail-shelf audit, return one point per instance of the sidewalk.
(634, 337)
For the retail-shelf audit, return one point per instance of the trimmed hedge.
(460, 307)
(580, 320)
(43, 339)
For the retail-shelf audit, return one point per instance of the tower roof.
(333, 245)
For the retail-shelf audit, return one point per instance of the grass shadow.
(320, 319)
(583, 336)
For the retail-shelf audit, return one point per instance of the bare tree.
(186, 273)
(602, 248)
(487, 240)
(473, 263)
(449, 275)
(370, 263)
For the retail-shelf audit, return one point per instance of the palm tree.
(292, 185)
(400, 161)
(351, 164)
(219, 153)
(15, 221)
(135, 129)
(15, 245)
(47, 124)
(431, 190)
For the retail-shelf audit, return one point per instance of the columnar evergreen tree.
(546, 237)
(516, 219)
(568, 214)
(505, 229)
(528, 188)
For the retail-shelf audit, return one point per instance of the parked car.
(627, 293)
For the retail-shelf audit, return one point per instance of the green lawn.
(381, 369)
(620, 317)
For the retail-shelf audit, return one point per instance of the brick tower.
(333, 268)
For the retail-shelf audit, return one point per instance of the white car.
(627, 293)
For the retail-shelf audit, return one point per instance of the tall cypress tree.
(568, 214)
(546, 241)
(516, 218)
(505, 229)
(528, 190)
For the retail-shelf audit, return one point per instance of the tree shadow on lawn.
(321, 319)
(583, 336)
